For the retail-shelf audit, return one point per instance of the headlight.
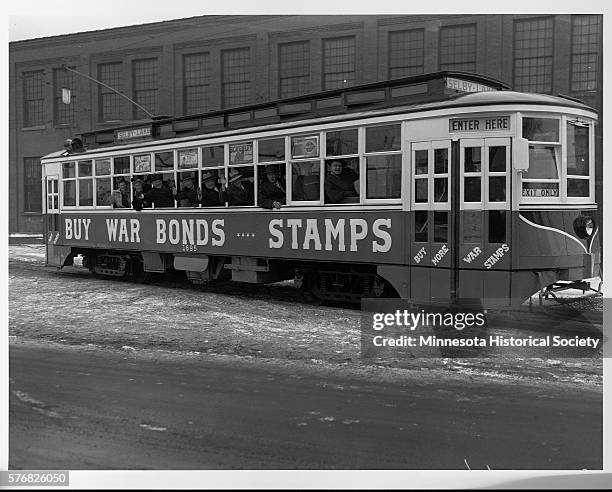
(584, 227)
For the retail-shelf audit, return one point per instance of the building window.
(196, 79)
(32, 192)
(33, 98)
(64, 113)
(533, 55)
(458, 48)
(586, 36)
(236, 77)
(405, 53)
(145, 87)
(294, 69)
(109, 101)
(338, 63)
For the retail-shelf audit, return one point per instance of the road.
(79, 407)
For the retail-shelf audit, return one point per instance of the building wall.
(376, 47)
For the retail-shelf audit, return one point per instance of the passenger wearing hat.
(188, 196)
(159, 195)
(210, 195)
(238, 191)
(271, 190)
(139, 202)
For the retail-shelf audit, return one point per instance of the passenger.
(139, 201)
(121, 196)
(271, 191)
(159, 195)
(306, 187)
(340, 184)
(239, 191)
(188, 196)
(210, 195)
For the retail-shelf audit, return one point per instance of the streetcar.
(436, 187)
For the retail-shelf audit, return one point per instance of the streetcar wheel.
(381, 288)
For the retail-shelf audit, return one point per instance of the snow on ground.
(73, 307)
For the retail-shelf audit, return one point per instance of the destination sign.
(133, 133)
(488, 124)
(466, 85)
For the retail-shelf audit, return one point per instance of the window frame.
(39, 76)
(430, 146)
(561, 145)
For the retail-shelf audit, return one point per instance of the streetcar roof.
(472, 100)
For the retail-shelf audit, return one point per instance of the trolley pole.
(152, 116)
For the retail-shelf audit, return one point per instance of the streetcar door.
(430, 245)
(482, 215)
(52, 218)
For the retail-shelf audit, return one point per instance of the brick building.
(207, 63)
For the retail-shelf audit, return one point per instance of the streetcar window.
(343, 142)
(68, 170)
(578, 183)
(121, 165)
(142, 164)
(497, 226)
(342, 181)
(577, 150)
(85, 169)
(578, 187)
(542, 163)
(440, 190)
(471, 190)
(240, 186)
(70, 193)
(271, 186)
(384, 176)
(103, 167)
(420, 226)
(210, 188)
(473, 160)
(85, 185)
(440, 227)
(497, 189)
(188, 159)
(541, 129)
(420, 190)
(240, 153)
(440, 161)
(497, 159)
(383, 138)
(441, 177)
(212, 156)
(103, 191)
(187, 194)
(272, 150)
(305, 180)
(421, 162)
(85, 192)
(164, 161)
